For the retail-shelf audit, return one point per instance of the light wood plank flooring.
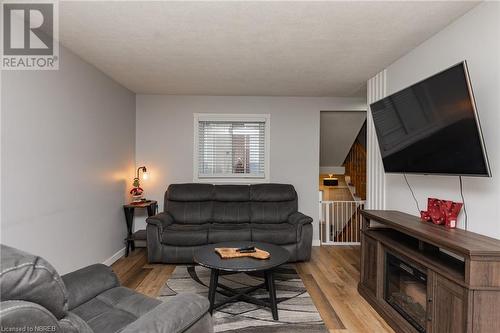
(331, 278)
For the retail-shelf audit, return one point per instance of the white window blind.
(231, 148)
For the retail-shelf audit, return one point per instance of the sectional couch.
(35, 298)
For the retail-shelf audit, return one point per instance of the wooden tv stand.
(462, 267)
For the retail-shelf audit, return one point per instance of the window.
(231, 148)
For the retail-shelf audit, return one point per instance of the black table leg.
(272, 293)
(242, 293)
(214, 278)
(151, 210)
(129, 217)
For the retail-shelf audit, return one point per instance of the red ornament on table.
(137, 193)
(443, 212)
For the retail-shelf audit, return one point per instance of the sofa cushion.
(190, 192)
(114, 309)
(185, 234)
(276, 233)
(71, 323)
(226, 232)
(231, 212)
(272, 212)
(232, 193)
(194, 212)
(88, 282)
(182, 313)
(272, 192)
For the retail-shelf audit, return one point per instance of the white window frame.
(240, 179)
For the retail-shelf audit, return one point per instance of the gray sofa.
(199, 214)
(34, 298)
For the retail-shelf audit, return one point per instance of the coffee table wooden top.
(207, 257)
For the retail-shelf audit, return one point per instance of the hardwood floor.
(331, 278)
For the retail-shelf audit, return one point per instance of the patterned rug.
(296, 309)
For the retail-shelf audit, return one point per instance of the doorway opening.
(342, 176)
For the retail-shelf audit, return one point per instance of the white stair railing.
(340, 222)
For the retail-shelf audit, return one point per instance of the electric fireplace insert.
(406, 290)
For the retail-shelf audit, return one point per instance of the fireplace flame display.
(406, 291)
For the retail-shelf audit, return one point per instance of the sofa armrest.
(88, 282)
(298, 218)
(173, 316)
(160, 220)
(24, 316)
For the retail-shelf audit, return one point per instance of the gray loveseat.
(34, 298)
(199, 214)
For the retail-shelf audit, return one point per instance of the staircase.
(355, 165)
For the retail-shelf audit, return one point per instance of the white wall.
(164, 139)
(474, 37)
(338, 130)
(334, 170)
(68, 140)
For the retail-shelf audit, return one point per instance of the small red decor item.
(442, 212)
(136, 194)
(136, 191)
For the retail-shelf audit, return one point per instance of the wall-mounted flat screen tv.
(432, 127)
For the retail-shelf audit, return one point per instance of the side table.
(152, 207)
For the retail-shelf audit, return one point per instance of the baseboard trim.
(111, 260)
(316, 242)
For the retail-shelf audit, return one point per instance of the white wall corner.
(316, 242)
(376, 182)
(111, 260)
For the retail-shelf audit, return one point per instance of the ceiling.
(338, 130)
(249, 48)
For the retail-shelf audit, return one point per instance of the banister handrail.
(355, 168)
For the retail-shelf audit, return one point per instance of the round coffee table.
(207, 257)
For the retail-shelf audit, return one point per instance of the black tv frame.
(476, 118)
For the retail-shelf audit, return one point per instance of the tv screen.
(432, 127)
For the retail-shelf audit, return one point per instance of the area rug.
(296, 309)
